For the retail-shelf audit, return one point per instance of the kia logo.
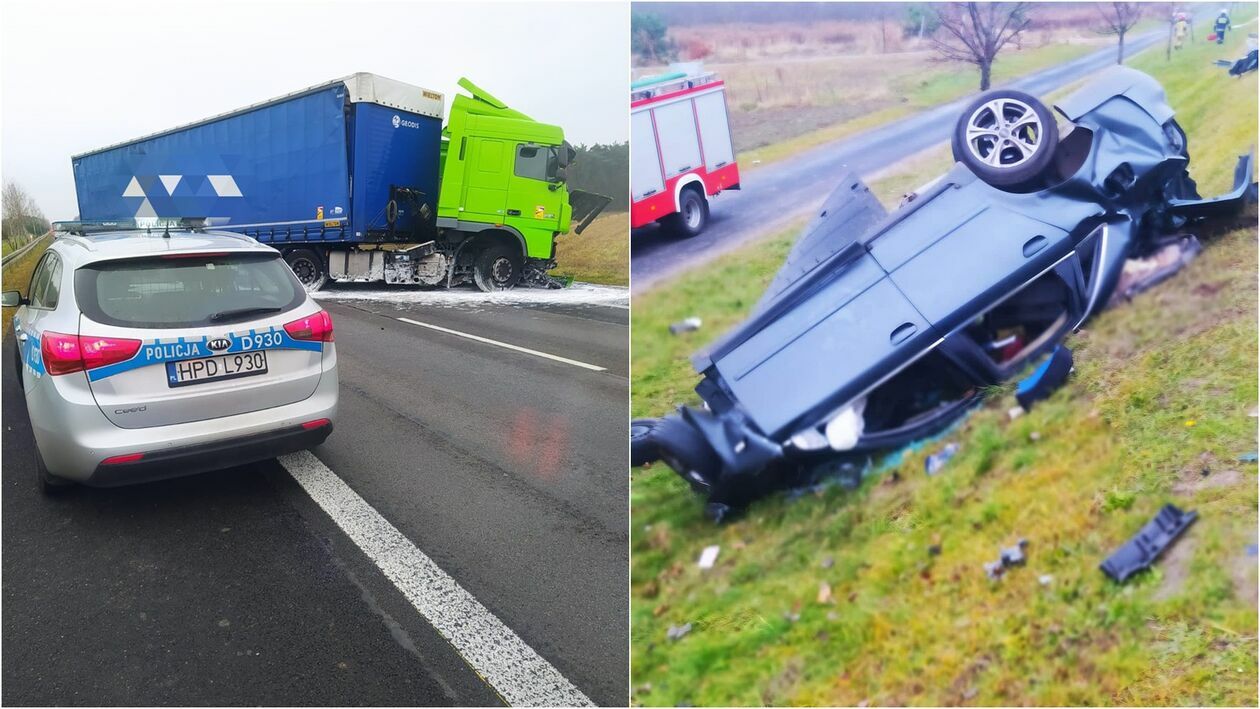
(396, 121)
(219, 344)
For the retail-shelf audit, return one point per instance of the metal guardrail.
(17, 254)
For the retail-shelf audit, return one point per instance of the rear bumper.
(74, 437)
(226, 453)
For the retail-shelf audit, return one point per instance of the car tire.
(643, 448)
(1006, 138)
(692, 215)
(498, 267)
(309, 268)
(48, 484)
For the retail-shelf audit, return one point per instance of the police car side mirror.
(12, 299)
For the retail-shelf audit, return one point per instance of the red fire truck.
(681, 151)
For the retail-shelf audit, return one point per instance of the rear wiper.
(228, 314)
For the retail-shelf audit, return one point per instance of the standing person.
(1222, 24)
(1181, 28)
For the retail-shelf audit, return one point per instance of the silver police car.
(153, 354)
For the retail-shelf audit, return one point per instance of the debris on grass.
(676, 632)
(1045, 579)
(1247, 457)
(933, 464)
(1034, 436)
(709, 556)
(828, 562)
(1142, 550)
(1008, 557)
(824, 592)
(1190, 423)
(690, 324)
(1014, 412)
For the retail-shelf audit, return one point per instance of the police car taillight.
(64, 354)
(317, 327)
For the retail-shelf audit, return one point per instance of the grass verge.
(17, 276)
(600, 254)
(834, 598)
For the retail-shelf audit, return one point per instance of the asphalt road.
(776, 195)
(505, 468)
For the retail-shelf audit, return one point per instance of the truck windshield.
(537, 162)
(188, 291)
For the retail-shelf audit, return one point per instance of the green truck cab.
(502, 194)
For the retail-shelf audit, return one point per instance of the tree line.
(603, 169)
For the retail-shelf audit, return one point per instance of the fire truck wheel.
(692, 214)
(498, 267)
(308, 267)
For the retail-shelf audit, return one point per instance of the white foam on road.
(505, 345)
(576, 294)
(510, 666)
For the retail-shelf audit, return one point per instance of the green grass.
(1113, 445)
(17, 276)
(600, 254)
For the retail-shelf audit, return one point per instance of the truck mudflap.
(1228, 204)
(585, 206)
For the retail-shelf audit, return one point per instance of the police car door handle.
(22, 337)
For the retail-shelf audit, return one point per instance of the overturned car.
(882, 328)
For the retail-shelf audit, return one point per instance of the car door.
(43, 295)
(957, 255)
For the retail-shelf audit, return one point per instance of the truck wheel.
(308, 267)
(692, 215)
(498, 267)
(1007, 138)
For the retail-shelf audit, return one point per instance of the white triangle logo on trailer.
(133, 189)
(169, 182)
(146, 209)
(224, 185)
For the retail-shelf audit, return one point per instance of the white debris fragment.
(1015, 412)
(709, 556)
(463, 297)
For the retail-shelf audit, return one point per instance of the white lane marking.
(520, 675)
(518, 348)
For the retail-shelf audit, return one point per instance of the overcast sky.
(81, 75)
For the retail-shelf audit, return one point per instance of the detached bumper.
(191, 460)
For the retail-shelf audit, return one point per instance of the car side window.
(46, 283)
(38, 279)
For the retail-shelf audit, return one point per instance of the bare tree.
(22, 218)
(1120, 17)
(974, 32)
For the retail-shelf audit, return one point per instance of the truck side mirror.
(11, 299)
(565, 154)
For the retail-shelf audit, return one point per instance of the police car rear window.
(187, 291)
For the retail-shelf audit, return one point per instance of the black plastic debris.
(1048, 377)
(1142, 550)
